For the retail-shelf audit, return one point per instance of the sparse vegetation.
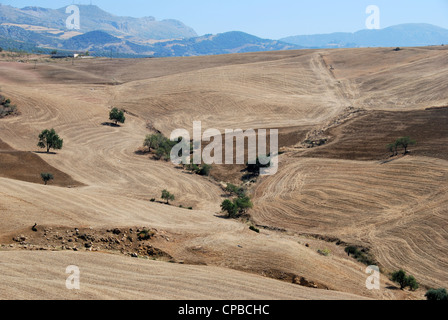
(254, 229)
(161, 146)
(50, 140)
(117, 116)
(403, 142)
(437, 295)
(46, 177)
(6, 108)
(324, 252)
(167, 196)
(362, 255)
(254, 169)
(237, 207)
(202, 170)
(404, 281)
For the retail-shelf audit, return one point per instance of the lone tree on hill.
(167, 196)
(117, 116)
(46, 177)
(50, 140)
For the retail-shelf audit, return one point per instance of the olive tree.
(50, 140)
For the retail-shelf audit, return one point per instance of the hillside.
(404, 35)
(93, 18)
(321, 198)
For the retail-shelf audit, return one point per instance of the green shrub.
(361, 255)
(167, 196)
(145, 235)
(46, 177)
(404, 281)
(324, 252)
(254, 229)
(235, 190)
(117, 116)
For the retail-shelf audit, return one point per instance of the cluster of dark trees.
(6, 108)
(239, 204)
(404, 143)
(404, 280)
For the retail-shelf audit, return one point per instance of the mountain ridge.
(403, 35)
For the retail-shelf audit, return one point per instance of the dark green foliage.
(393, 148)
(437, 295)
(205, 170)
(229, 207)
(153, 200)
(46, 177)
(404, 281)
(6, 108)
(236, 207)
(117, 116)
(404, 142)
(254, 229)
(400, 278)
(167, 196)
(412, 283)
(362, 255)
(254, 169)
(235, 190)
(243, 203)
(50, 140)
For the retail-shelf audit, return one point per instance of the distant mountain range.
(404, 35)
(93, 18)
(37, 29)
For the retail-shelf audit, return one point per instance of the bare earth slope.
(396, 209)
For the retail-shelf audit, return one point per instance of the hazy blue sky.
(268, 18)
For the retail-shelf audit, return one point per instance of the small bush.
(361, 255)
(404, 281)
(437, 295)
(235, 190)
(117, 116)
(153, 200)
(6, 108)
(254, 229)
(324, 252)
(46, 177)
(167, 196)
